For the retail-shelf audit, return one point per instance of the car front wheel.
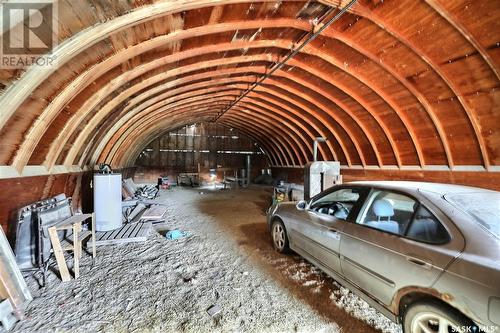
(433, 317)
(279, 236)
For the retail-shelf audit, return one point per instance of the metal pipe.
(315, 147)
(248, 169)
(292, 54)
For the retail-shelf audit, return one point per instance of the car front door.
(318, 234)
(396, 242)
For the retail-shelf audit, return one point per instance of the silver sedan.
(425, 255)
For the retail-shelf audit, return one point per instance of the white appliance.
(108, 201)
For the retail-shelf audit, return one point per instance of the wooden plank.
(70, 221)
(93, 236)
(154, 213)
(76, 249)
(136, 232)
(59, 254)
(111, 234)
(145, 230)
(126, 230)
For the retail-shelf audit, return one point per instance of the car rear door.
(383, 254)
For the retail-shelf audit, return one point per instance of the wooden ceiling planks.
(420, 73)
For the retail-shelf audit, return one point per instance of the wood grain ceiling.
(392, 84)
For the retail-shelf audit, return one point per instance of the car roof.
(439, 188)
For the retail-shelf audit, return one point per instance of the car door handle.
(419, 262)
(333, 233)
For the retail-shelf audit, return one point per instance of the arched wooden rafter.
(231, 46)
(378, 110)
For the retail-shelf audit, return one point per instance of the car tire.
(431, 315)
(279, 237)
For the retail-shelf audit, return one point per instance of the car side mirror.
(301, 205)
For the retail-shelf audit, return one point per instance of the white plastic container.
(108, 201)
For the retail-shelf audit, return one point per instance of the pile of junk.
(51, 236)
(138, 204)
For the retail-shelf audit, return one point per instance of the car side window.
(388, 211)
(426, 228)
(338, 204)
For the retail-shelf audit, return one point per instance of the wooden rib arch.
(264, 108)
(300, 106)
(203, 115)
(451, 162)
(436, 68)
(141, 131)
(465, 33)
(130, 103)
(140, 118)
(17, 164)
(12, 98)
(283, 151)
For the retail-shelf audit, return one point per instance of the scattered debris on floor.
(132, 190)
(176, 234)
(227, 262)
(129, 233)
(214, 310)
(138, 205)
(154, 213)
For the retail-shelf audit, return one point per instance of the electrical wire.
(292, 54)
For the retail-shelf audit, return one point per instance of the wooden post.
(93, 235)
(59, 254)
(76, 249)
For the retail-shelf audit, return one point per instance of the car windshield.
(484, 208)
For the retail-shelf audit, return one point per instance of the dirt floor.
(226, 260)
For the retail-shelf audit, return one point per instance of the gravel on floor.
(226, 260)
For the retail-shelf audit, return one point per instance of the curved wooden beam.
(139, 117)
(15, 94)
(42, 121)
(297, 104)
(134, 117)
(479, 138)
(437, 69)
(465, 33)
(140, 98)
(92, 102)
(218, 47)
(202, 102)
(123, 135)
(166, 125)
(116, 154)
